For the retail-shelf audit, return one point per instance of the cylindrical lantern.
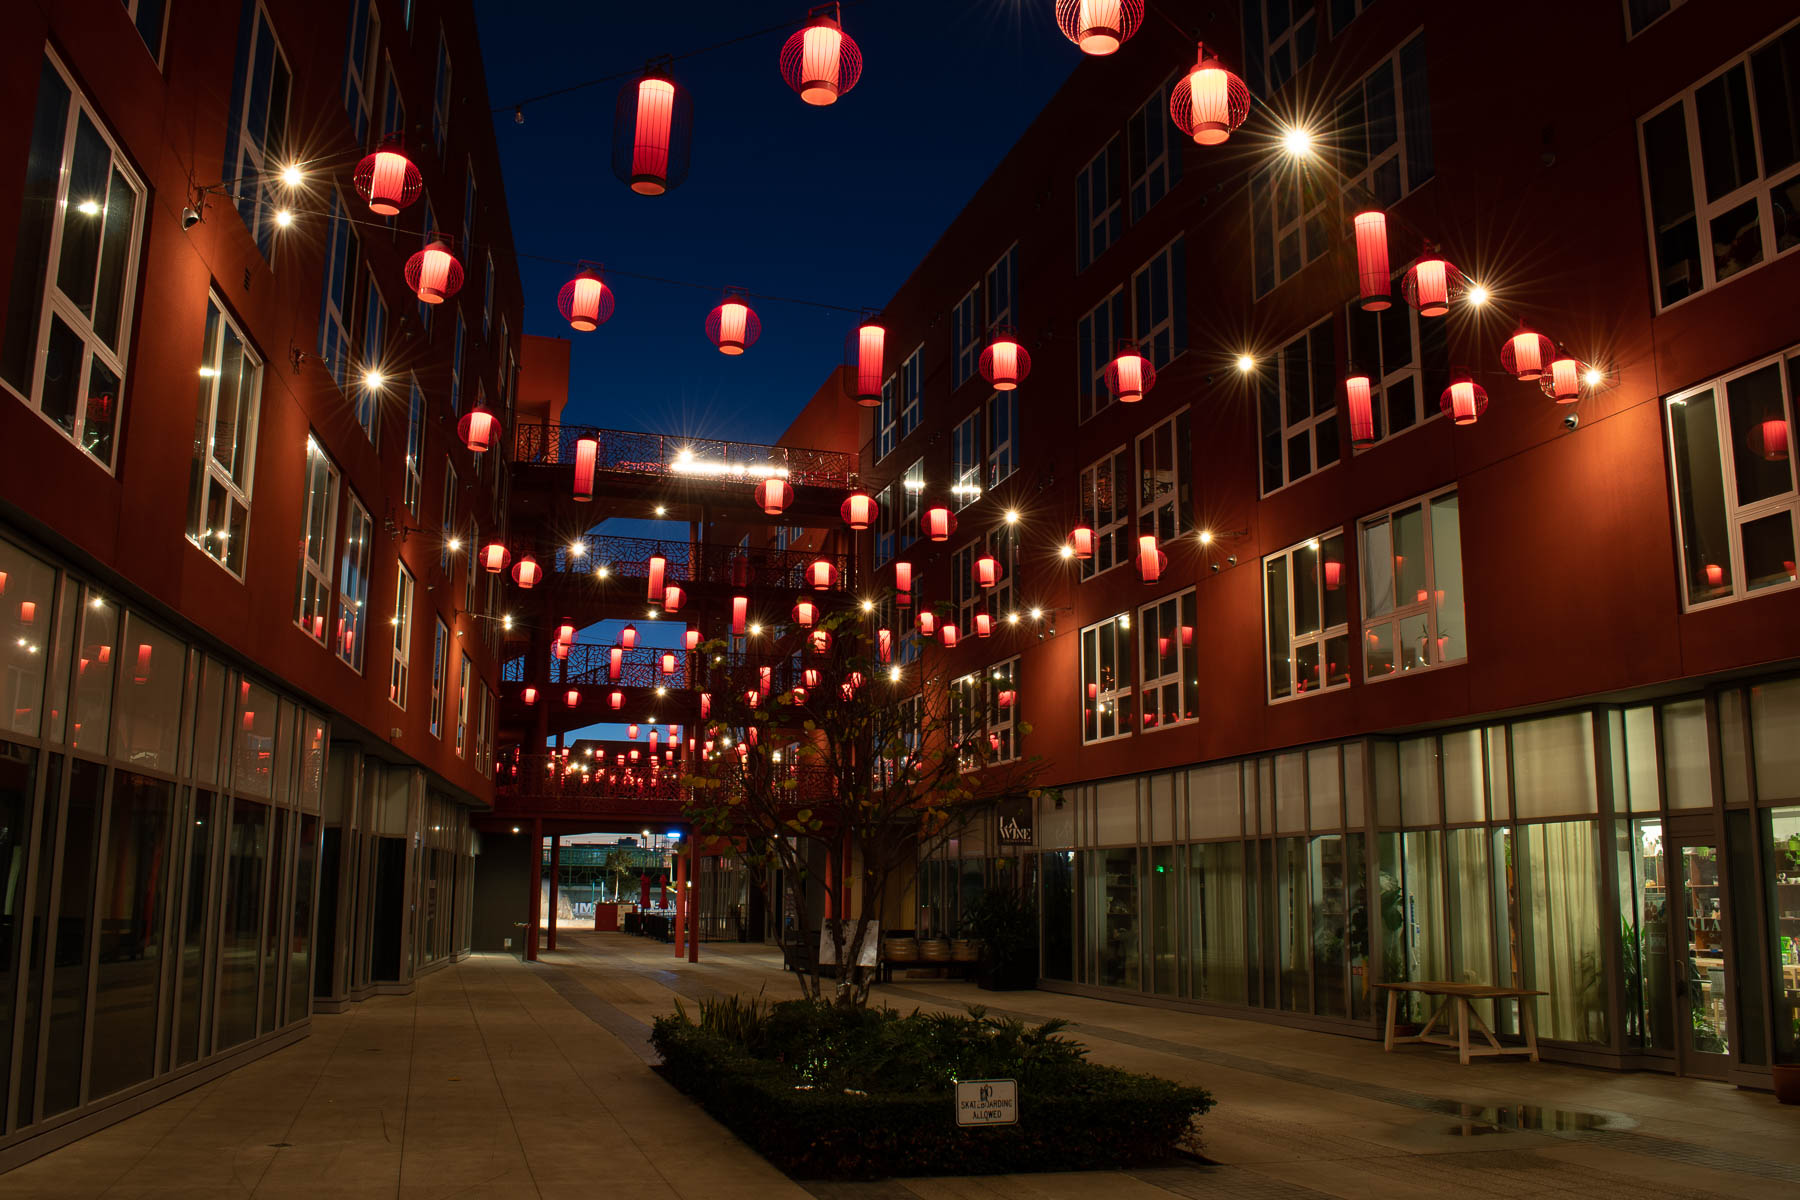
(1151, 562)
(615, 662)
(673, 597)
(628, 637)
(773, 495)
(1361, 407)
(653, 577)
(1464, 400)
(433, 273)
(859, 511)
(560, 649)
(388, 179)
(528, 695)
(1099, 27)
(950, 636)
(864, 354)
(740, 612)
(587, 454)
(811, 677)
(1129, 376)
(495, 558)
(733, 326)
(1005, 697)
(986, 571)
(984, 625)
(821, 61)
(821, 641)
(585, 301)
(1081, 541)
(853, 680)
(1715, 575)
(565, 634)
(705, 711)
(1561, 381)
(653, 128)
(1526, 354)
(1005, 364)
(526, 572)
(1334, 574)
(1769, 439)
(653, 739)
(927, 622)
(939, 523)
(1432, 284)
(1187, 635)
(903, 578)
(822, 574)
(884, 645)
(1210, 101)
(668, 662)
(692, 639)
(631, 731)
(477, 429)
(1374, 279)
(572, 697)
(805, 613)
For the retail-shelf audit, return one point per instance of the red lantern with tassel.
(526, 572)
(528, 695)
(674, 597)
(1081, 542)
(572, 698)
(740, 612)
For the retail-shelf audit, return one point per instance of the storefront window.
(1560, 913)
(1113, 919)
(1293, 932)
(1057, 869)
(1217, 968)
(133, 880)
(1782, 862)
(1329, 925)
(1165, 930)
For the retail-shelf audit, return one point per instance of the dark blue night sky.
(834, 204)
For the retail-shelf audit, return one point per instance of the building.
(1509, 701)
(247, 655)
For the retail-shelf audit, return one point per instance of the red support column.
(555, 880)
(680, 903)
(537, 889)
(693, 925)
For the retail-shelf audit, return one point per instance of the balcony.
(546, 785)
(695, 460)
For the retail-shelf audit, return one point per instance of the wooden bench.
(1455, 1003)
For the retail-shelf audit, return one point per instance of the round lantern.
(433, 273)
(1005, 697)
(1081, 541)
(1561, 380)
(811, 677)
(1099, 27)
(1464, 400)
(1129, 375)
(587, 456)
(560, 649)
(950, 636)
(653, 133)
(631, 731)
(1432, 284)
(529, 695)
(859, 511)
(986, 571)
(388, 180)
(939, 523)
(1358, 401)
(805, 613)
(927, 622)
(572, 697)
(674, 596)
(668, 662)
(585, 301)
(691, 639)
(1374, 280)
(822, 574)
(821, 61)
(495, 557)
(526, 572)
(733, 326)
(1769, 439)
(1005, 364)
(1151, 562)
(984, 625)
(773, 495)
(863, 354)
(565, 633)
(821, 641)
(1210, 101)
(1526, 354)
(853, 680)
(477, 429)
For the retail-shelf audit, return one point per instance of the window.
(415, 443)
(484, 736)
(1408, 361)
(456, 366)
(1099, 215)
(964, 594)
(368, 392)
(1165, 502)
(965, 461)
(888, 418)
(886, 518)
(462, 708)
(468, 211)
(427, 233)
(353, 585)
(1297, 404)
(1641, 14)
(1159, 292)
(1384, 129)
(148, 16)
(1106, 509)
(1154, 169)
(967, 710)
(449, 526)
(393, 107)
(1722, 171)
(402, 621)
(318, 527)
(1106, 679)
(912, 497)
(1730, 444)
(1003, 544)
(1345, 11)
(224, 442)
(487, 300)
(1287, 220)
(343, 251)
(1003, 709)
(438, 668)
(440, 96)
(1002, 430)
(966, 322)
(1003, 291)
(1170, 673)
(1279, 38)
(1306, 614)
(256, 138)
(471, 567)
(1412, 587)
(361, 56)
(1096, 336)
(912, 388)
(67, 330)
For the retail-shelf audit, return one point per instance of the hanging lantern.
(821, 641)
(692, 639)
(615, 662)
(846, 691)
(477, 429)
(1561, 381)
(674, 596)
(1081, 542)
(705, 712)
(528, 695)
(572, 698)
(773, 495)
(864, 354)
(495, 557)
(1210, 101)
(950, 636)
(1129, 375)
(1005, 364)
(1464, 400)
(859, 511)
(1372, 274)
(628, 637)
(587, 453)
(668, 662)
(1187, 635)
(1005, 697)
(853, 680)
(884, 645)
(811, 677)
(821, 61)
(631, 731)
(1526, 354)
(1432, 284)
(750, 734)
(1769, 439)
(984, 625)
(433, 273)
(1099, 27)
(653, 741)
(585, 301)
(633, 756)
(903, 581)
(653, 132)
(799, 694)
(1151, 562)
(1361, 407)
(986, 571)
(994, 742)
(565, 634)
(1334, 574)
(733, 326)
(560, 649)
(1715, 575)
(653, 577)
(805, 613)
(740, 612)
(822, 574)
(526, 572)
(388, 179)
(927, 622)
(939, 523)
(1093, 691)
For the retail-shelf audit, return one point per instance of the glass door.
(1704, 981)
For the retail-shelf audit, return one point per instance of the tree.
(618, 866)
(884, 766)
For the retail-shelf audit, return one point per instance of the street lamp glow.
(1067, 550)
(290, 175)
(1012, 516)
(1478, 295)
(577, 549)
(1297, 142)
(1037, 614)
(455, 544)
(1206, 537)
(373, 379)
(1594, 377)
(284, 217)
(756, 631)
(601, 572)
(893, 674)
(1246, 363)
(88, 208)
(868, 606)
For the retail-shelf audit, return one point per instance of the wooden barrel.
(964, 949)
(934, 950)
(901, 949)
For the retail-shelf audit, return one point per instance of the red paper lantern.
(526, 572)
(853, 680)
(565, 634)
(859, 511)
(1129, 375)
(528, 695)
(585, 302)
(433, 273)
(477, 429)
(986, 571)
(692, 639)
(1334, 574)
(1715, 575)
(950, 636)
(821, 641)
(939, 523)
(864, 354)
(631, 731)
(903, 579)
(927, 622)
(1081, 541)
(1769, 439)
(1151, 562)
(1374, 279)
(1005, 364)
(1099, 27)
(984, 625)
(653, 577)
(1187, 635)
(822, 574)
(495, 557)
(705, 712)
(773, 495)
(674, 596)
(1464, 400)
(805, 613)
(615, 662)
(740, 611)
(1005, 697)
(668, 662)
(1361, 407)
(572, 698)
(733, 326)
(1093, 691)
(811, 677)
(587, 454)
(1561, 381)
(1526, 354)
(1433, 284)
(388, 179)
(799, 694)
(653, 127)
(628, 637)
(821, 61)
(1210, 101)
(884, 645)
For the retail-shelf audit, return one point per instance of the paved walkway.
(501, 1080)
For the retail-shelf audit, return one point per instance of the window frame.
(337, 300)
(967, 464)
(1149, 625)
(462, 707)
(414, 486)
(1097, 232)
(1151, 116)
(1123, 652)
(965, 338)
(360, 73)
(1172, 260)
(1177, 499)
(133, 9)
(353, 583)
(367, 400)
(1429, 362)
(448, 527)
(1356, 188)
(248, 160)
(912, 505)
(1004, 272)
(1001, 451)
(208, 473)
(1400, 612)
(1293, 179)
(1319, 371)
(440, 95)
(1630, 33)
(1321, 637)
(1093, 353)
(887, 417)
(1116, 534)
(400, 668)
(439, 669)
(315, 583)
(1262, 54)
(1005, 721)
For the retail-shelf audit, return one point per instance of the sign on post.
(987, 1102)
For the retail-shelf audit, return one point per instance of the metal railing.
(590, 665)
(626, 452)
(549, 781)
(702, 562)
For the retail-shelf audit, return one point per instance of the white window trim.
(359, 77)
(162, 41)
(1153, 113)
(1001, 596)
(368, 398)
(887, 515)
(967, 692)
(316, 569)
(456, 365)
(1357, 187)
(415, 444)
(462, 708)
(1289, 35)
(256, 170)
(487, 298)
(334, 331)
(471, 564)
(1400, 612)
(967, 336)
(358, 554)
(912, 504)
(966, 474)
(440, 668)
(1105, 696)
(1093, 389)
(1005, 721)
(1265, 191)
(448, 528)
(1145, 335)
(887, 417)
(1005, 267)
(1185, 660)
(1310, 425)
(1183, 467)
(1320, 638)
(1102, 219)
(400, 672)
(216, 476)
(1124, 513)
(1379, 386)
(1001, 449)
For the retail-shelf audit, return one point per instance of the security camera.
(189, 218)
(1571, 421)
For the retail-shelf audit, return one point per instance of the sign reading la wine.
(1013, 816)
(987, 1102)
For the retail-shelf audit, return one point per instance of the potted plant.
(1005, 923)
(1786, 1075)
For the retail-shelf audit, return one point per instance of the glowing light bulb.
(1067, 551)
(284, 218)
(1012, 516)
(290, 175)
(88, 208)
(373, 379)
(1297, 142)
(1477, 295)
(1246, 363)
(1594, 377)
